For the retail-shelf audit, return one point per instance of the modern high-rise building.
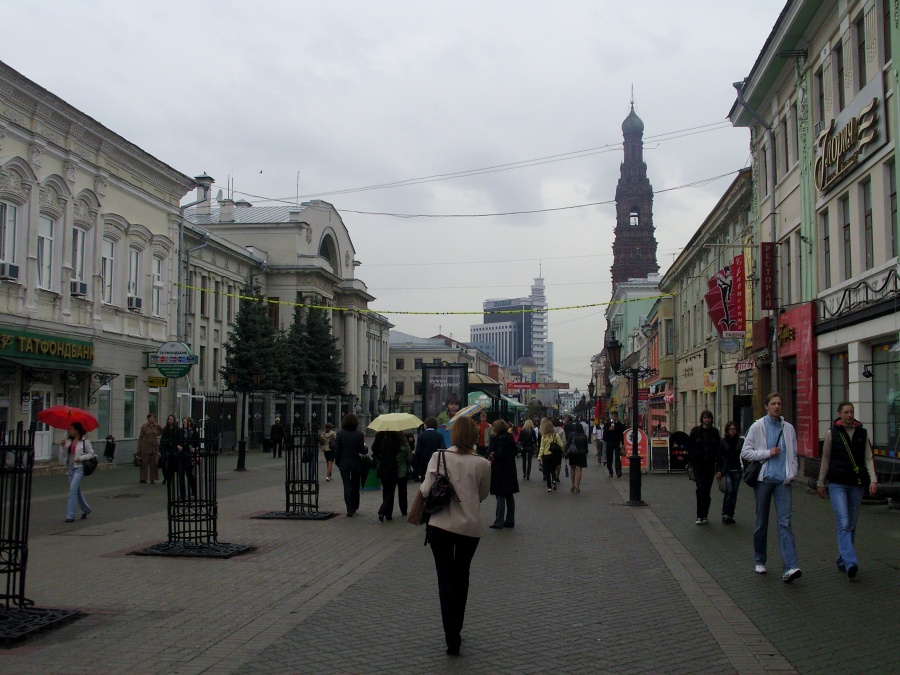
(515, 327)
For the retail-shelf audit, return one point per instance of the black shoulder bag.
(751, 472)
(441, 492)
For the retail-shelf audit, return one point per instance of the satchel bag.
(89, 465)
(416, 514)
(137, 459)
(690, 472)
(751, 472)
(442, 491)
(721, 481)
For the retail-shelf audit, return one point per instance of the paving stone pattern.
(582, 584)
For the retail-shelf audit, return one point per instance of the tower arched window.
(634, 216)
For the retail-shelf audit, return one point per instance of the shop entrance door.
(43, 435)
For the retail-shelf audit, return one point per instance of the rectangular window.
(436, 362)
(7, 233)
(229, 305)
(785, 145)
(134, 272)
(273, 313)
(156, 293)
(215, 365)
(795, 136)
(417, 388)
(819, 86)
(417, 364)
(886, 27)
(892, 205)
(399, 364)
(103, 411)
(189, 292)
(201, 364)
(107, 267)
(825, 237)
(788, 278)
(217, 301)
(153, 402)
(868, 235)
(847, 249)
(840, 379)
(399, 388)
(204, 300)
(860, 30)
(670, 337)
(839, 84)
(776, 142)
(128, 407)
(77, 254)
(763, 171)
(45, 252)
(884, 369)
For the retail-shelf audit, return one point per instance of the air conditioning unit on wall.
(134, 303)
(77, 289)
(9, 272)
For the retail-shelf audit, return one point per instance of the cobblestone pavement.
(582, 584)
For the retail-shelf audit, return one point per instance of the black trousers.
(549, 464)
(388, 486)
(704, 479)
(453, 555)
(350, 479)
(276, 448)
(187, 478)
(613, 454)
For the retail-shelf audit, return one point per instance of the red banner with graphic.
(725, 300)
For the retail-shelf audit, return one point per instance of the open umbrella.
(468, 411)
(395, 422)
(62, 417)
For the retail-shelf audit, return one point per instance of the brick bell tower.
(634, 247)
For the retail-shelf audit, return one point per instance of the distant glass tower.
(634, 247)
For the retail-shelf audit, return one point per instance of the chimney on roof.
(294, 216)
(226, 211)
(204, 192)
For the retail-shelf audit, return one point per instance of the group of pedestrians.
(847, 472)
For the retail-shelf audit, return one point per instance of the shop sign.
(643, 394)
(709, 381)
(155, 382)
(745, 383)
(518, 386)
(42, 347)
(173, 359)
(840, 149)
(767, 297)
(725, 299)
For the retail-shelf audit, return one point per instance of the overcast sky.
(358, 94)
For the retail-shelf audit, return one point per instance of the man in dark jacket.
(704, 451)
(614, 436)
(276, 436)
(428, 442)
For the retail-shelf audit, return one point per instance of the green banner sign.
(50, 348)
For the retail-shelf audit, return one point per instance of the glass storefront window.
(153, 403)
(128, 407)
(103, 411)
(885, 397)
(840, 380)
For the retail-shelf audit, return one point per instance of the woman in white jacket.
(773, 442)
(73, 451)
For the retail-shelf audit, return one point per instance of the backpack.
(332, 442)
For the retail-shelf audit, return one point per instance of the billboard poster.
(444, 390)
(725, 300)
(642, 447)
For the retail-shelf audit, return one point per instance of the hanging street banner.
(519, 386)
(725, 300)
(767, 299)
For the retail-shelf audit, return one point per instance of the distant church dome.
(632, 123)
(526, 361)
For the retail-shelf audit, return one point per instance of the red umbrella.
(62, 417)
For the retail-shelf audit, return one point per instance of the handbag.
(751, 472)
(137, 459)
(690, 472)
(442, 491)
(416, 514)
(89, 465)
(721, 481)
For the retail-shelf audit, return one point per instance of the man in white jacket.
(773, 442)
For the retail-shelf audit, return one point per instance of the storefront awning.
(45, 364)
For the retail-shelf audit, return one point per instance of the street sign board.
(173, 359)
(518, 386)
(153, 381)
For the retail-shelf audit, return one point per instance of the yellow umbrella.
(395, 422)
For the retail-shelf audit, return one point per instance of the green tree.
(251, 346)
(294, 354)
(323, 357)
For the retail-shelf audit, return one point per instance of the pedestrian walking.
(598, 443)
(73, 450)
(327, 441)
(730, 468)
(614, 437)
(484, 434)
(276, 437)
(148, 449)
(427, 443)
(550, 453)
(186, 446)
(848, 470)
(560, 429)
(168, 461)
(348, 448)
(576, 453)
(773, 441)
(527, 443)
(704, 449)
(454, 531)
(504, 482)
(391, 453)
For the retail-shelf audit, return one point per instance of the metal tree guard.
(301, 478)
(193, 509)
(19, 618)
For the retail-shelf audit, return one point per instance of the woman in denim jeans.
(730, 467)
(849, 469)
(74, 450)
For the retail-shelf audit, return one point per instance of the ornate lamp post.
(614, 352)
(233, 385)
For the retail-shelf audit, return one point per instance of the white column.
(362, 360)
(350, 343)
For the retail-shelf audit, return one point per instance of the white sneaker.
(761, 569)
(791, 574)
(699, 521)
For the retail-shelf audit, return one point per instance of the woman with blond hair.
(454, 531)
(526, 442)
(550, 453)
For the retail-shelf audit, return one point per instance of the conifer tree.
(294, 356)
(251, 346)
(323, 357)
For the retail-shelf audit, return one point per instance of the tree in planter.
(323, 357)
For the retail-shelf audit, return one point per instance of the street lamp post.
(242, 444)
(614, 352)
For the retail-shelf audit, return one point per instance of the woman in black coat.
(704, 449)
(349, 445)
(504, 481)
(731, 467)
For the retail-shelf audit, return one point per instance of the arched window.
(634, 216)
(328, 250)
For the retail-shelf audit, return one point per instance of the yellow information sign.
(157, 382)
